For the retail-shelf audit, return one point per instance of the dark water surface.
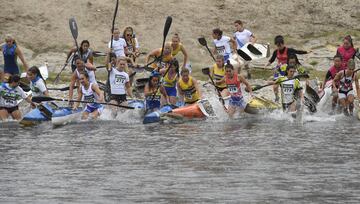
(243, 161)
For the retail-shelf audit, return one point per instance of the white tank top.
(117, 81)
(89, 95)
(91, 74)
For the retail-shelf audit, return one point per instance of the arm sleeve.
(273, 57)
(300, 52)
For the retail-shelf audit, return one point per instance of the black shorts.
(119, 98)
(10, 110)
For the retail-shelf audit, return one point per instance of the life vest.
(190, 93)
(282, 57)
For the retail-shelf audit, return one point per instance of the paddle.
(56, 80)
(74, 32)
(166, 31)
(258, 87)
(61, 89)
(203, 42)
(39, 99)
(206, 71)
(107, 91)
(98, 54)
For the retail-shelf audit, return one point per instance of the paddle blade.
(258, 87)
(39, 99)
(205, 70)
(73, 28)
(167, 26)
(202, 41)
(253, 49)
(243, 55)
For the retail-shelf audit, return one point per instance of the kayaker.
(89, 92)
(346, 90)
(86, 54)
(330, 75)
(166, 58)
(153, 91)
(10, 52)
(281, 54)
(132, 43)
(233, 82)
(119, 44)
(188, 88)
(224, 45)
(170, 78)
(10, 93)
(177, 47)
(347, 50)
(242, 35)
(294, 61)
(119, 83)
(81, 67)
(290, 90)
(217, 72)
(37, 82)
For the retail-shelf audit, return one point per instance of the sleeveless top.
(117, 81)
(233, 86)
(89, 95)
(346, 83)
(169, 82)
(91, 73)
(10, 59)
(282, 57)
(176, 50)
(190, 93)
(219, 74)
(346, 54)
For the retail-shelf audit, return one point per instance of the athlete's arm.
(21, 56)
(183, 50)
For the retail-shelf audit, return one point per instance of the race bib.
(288, 90)
(90, 98)
(188, 95)
(120, 79)
(220, 50)
(232, 88)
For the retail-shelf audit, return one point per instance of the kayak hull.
(154, 117)
(65, 116)
(258, 105)
(190, 111)
(40, 114)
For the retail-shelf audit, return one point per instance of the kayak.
(155, 116)
(258, 105)
(41, 113)
(136, 103)
(200, 109)
(65, 115)
(254, 51)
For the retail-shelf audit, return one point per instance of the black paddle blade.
(73, 28)
(167, 26)
(253, 49)
(205, 70)
(243, 55)
(39, 99)
(98, 54)
(202, 41)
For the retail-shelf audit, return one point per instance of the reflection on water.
(254, 160)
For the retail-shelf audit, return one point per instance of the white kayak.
(65, 116)
(254, 51)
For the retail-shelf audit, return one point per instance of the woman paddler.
(170, 79)
(89, 92)
(153, 91)
(178, 47)
(37, 82)
(346, 93)
(10, 93)
(224, 45)
(188, 88)
(166, 58)
(217, 72)
(347, 50)
(233, 82)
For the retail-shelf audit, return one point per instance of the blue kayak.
(155, 116)
(41, 113)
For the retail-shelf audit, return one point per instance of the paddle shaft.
(203, 42)
(166, 30)
(296, 77)
(217, 90)
(77, 101)
(63, 68)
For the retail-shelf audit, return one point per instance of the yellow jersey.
(218, 74)
(176, 50)
(169, 82)
(190, 93)
(165, 61)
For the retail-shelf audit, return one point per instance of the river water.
(253, 159)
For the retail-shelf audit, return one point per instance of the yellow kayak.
(260, 104)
